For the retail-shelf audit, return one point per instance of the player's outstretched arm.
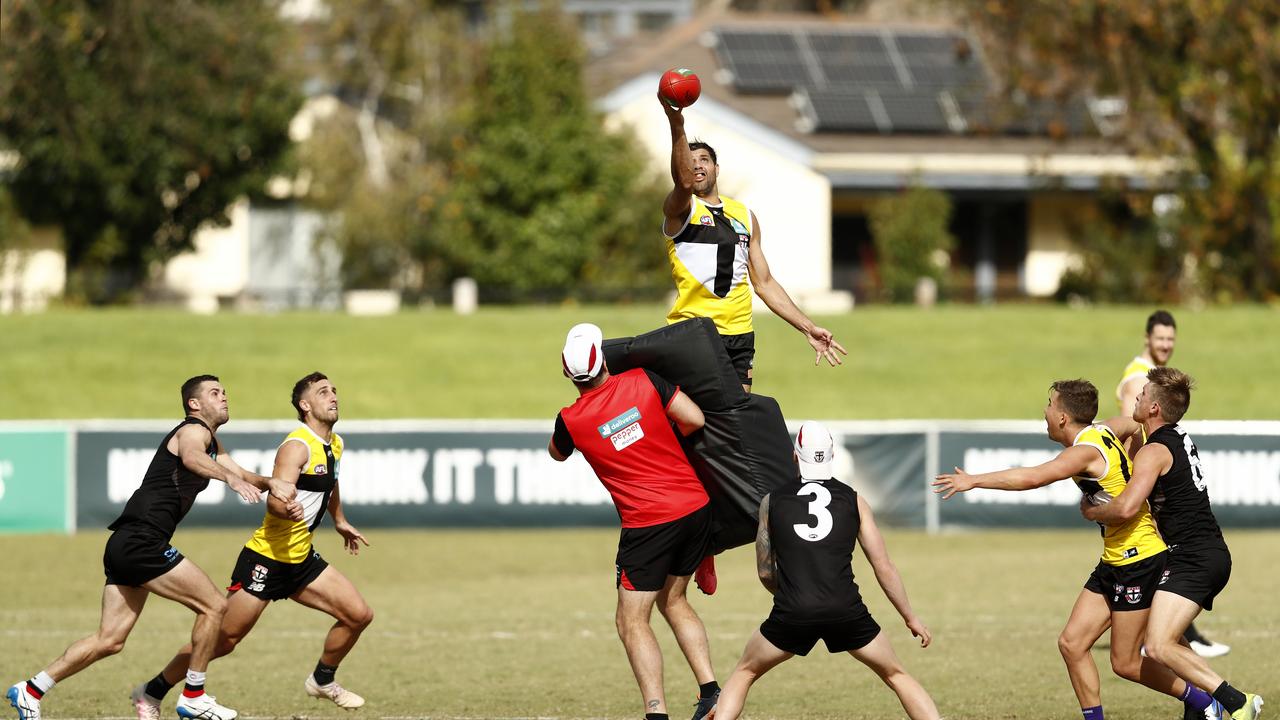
(351, 537)
(887, 573)
(192, 441)
(766, 561)
(268, 484)
(675, 209)
(1150, 462)
(1072, 461)
(776, 298)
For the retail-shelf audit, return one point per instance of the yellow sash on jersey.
(288, 540)
(1138, 538)
(698, 266)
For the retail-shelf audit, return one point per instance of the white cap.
(814, 448)
(583, 354)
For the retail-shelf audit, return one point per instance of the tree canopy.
(136, 123)
(1200, 81)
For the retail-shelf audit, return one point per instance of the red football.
(679, 87)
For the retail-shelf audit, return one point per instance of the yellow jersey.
(287, 540)
(1138, 538)
(709, 266)
(1137, 368)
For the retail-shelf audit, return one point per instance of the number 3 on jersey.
(817, 508)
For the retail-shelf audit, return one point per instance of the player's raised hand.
(244, 488)
(351, 537)
(920, 630)
(948, 484)
(674, 114)
(825, 345)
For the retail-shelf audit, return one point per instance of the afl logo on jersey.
(706, 220)
(319, 469)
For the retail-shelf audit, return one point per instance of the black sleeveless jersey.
(168, 489)
(813, 527)
(1180, 499)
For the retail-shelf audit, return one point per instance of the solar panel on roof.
(843, 111)
(910, 43)
(915, 111)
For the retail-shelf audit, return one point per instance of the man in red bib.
(623, 426)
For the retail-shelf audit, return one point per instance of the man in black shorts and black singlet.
(804, 551)
(1166, 472)
(139, 560)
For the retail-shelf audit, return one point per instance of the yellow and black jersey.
(1138, 538)
(289, 541)
(709, 266)
(1137, 368)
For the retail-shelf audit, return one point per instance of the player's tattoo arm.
(766, 561)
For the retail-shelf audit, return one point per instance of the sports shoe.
(27, 705)
(706, 707)
(340, 696)
(1209, 648)
(1252, 708)
(147, 707)
(203, 707)
(705, 576)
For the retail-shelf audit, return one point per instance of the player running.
(139, 560)
(622, 425)
(804, 550)
(1118, 594)
(1167, 472)
(279, 562)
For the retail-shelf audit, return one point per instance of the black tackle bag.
(744, 451)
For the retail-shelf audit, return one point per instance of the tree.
(1200, 81)
(540, 197)
(138, 122)
(912, 239)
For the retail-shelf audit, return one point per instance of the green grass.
(950, 362)
(520, 624)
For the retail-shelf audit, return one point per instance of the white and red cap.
(583, 354)
(814, 450)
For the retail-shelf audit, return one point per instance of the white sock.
(43, 682)
(195, 679)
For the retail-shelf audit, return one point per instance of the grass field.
(520, 624)
(950, 362)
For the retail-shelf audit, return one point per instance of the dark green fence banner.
(449, 475)
(417, 473)
(34, 480)
(1241, 463)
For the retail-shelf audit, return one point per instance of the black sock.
(655, 716)
(1231, 698)
(706, 690)
(324, 673)
(158, 687)
(1193, 635)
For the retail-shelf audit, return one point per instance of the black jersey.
(813, 527)
(168, 489)
(1180, 499)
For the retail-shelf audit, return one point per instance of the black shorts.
(844, 635)
(134, 557)
(1197, 574)
(648, 555)
(742, 353)
(1128, 587)
(268, 579)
